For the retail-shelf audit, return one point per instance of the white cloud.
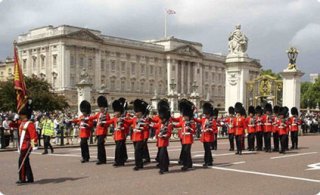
(308, 38)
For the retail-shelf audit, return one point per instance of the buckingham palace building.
(121, 67)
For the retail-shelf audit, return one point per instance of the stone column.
(84, 89)
(291, 88)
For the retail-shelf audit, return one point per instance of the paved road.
(251, 173)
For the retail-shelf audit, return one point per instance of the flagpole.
(165, 24)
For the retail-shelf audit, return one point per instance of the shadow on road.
(58, 180)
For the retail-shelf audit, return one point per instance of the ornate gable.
(187, 50)
(84, 35)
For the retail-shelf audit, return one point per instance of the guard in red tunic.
(139, 124)
(267, 126)
(294, 123)
(259, 128)
(102, 128)
(187, 130)
(85, 126)
(217, 123)
(121, 127)
(28, 139)
(207, 132)
(239, 126)
(229, 123)
(283, 129)
(251, 128)
(163, 133)
(275, 129)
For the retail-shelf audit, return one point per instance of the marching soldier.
(85, 126)
(28, 139)
(48, 132)
(229, 123)
(207, 132)
(239, 126)
(275, 129)
(259, 130)
(163, 133)
(267, 126)
(294, 123)
(187, 130)
(283, 129)
(251, 128)
(139, 125)
(102, 128)
(120, 132)
(216, 124)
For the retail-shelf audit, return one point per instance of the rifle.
(164, 130)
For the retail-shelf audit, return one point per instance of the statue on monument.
(238, 42)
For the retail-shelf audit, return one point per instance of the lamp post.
(292, 55)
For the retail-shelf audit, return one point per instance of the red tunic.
(275, 125)
(138, 126)
(187, 131)
(259, 123)
(239, 125)
(207, 129)
(251, 124)
(30, 135)
(294, 123)
(282, 126)
(163, 138)
(179, 120)
(102, 127)
(85, 126)
(120, 128)
(267, 123)
(229, 123)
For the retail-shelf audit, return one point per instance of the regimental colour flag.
(19, 84)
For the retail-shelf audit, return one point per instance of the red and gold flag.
(19, 84)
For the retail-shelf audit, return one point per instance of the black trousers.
(283, 140)
(239, 143)
(231, 140)
(25, 171)
(101, 149)
(125, 153)
(181, 158)
(267, 141)
(187, 160)
(146, 154)
(207, 153)
(120, 157)
(163, 159)
(84, 149)
(215, 142)
(276, 141)
(259, 140)
(138, 152)
(47, 143)
(157, 157)
(251, 141)
(294, 139)
(243, 142)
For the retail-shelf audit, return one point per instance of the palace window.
(141, 87)
(113, 65)
(72, 62)
(206, 76)
(123, 66)
(132, 86)
(151, 69)
(160, 70)
(112, 85)
(133, 68)
(102, 65)
(123, 86)
(90, 62)
(24, 66)
(142, 68)
(42, 61)
(54, 62)
(81, 62)
(151, 88)
(34, 62)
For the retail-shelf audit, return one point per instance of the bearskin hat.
(27, 109)
(117, 106)
(124, 103)
(215, 112)
(140, 106)
(207, 108)
(283, 111)
(164, 109)
(268, 108)
(102, 102)
(276, 109)
(294, 111)
(287, 111)
(186, 108)
(238, 107)
(252, 110)
(85, 107)
(231, 110)
(243, 112)
(258, 110)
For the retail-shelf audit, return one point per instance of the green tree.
(39, 90)
(269, 72)
(310, 94)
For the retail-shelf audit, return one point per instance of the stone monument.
(84, 88)
(238, 68)
(291, 81)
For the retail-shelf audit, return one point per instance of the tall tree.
(310, 94)
(39, 90)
